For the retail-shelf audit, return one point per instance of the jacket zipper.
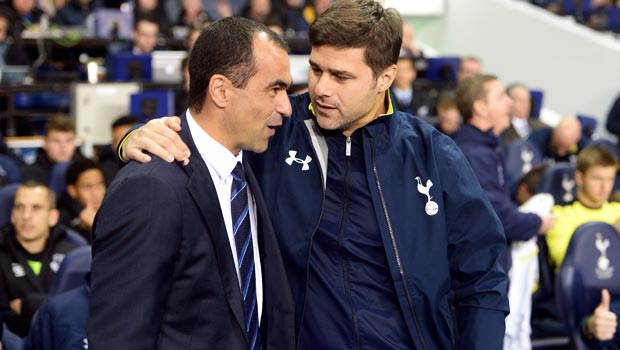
(394, 246)
(316, 227)
(345, 265)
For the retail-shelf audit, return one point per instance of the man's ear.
(72, 191)
(386, 78)
(220, 90)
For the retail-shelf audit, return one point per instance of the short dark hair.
(125, 120)
(59, 123)
(51, 196)
(145, 18)
(79, 166)
(225, 47)
(470, 90)
(361, 24)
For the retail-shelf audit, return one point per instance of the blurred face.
(565, 137)
(468, 68)
(89, 189)
(595, 186)
(260, 7)
(321, 5)
(32, 215)
(192, 6)
(449, 120)
(405, 73)
(345, 95)
(521, 102)
(495, 108)
(147, 5)
(258, 108)
(145, 36)
(23, 7)
(59, 145)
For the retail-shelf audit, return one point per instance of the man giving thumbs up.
(602, 324)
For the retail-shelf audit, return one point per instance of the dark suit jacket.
(163, 275)
(511, 134)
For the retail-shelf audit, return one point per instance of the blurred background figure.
(521, 124)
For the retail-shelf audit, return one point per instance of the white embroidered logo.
(567, 184)
(56, 261)
(431, 207)
(526, 156)
(603, 269)
(293, 158)
(18, 270)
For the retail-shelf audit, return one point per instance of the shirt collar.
(211, 151)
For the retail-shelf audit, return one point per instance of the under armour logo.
(567, 184)
(431, 207)
(293, 158)
(18, 270)
(603, 270)
(526, 156)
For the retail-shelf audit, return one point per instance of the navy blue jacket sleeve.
(517, 226)
(476, 242)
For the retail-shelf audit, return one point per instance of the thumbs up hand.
(602, 324)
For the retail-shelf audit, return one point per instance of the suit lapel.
(200, 186)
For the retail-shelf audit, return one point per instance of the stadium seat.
(7, 196)
(592, 263)
(559, 181)
(72, 271)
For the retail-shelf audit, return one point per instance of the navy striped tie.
(245, 252)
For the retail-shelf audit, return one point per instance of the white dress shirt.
(221, 162)
(522, 127)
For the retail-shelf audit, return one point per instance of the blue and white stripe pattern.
(245, 252)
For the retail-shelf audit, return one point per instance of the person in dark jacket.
(31, 251)
(58, 147)
(85, 190)
(562, 143)
(61, 322)
(388, 239)
(484, 105)
(11, 54)
(75, 12)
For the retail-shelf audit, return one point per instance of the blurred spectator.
(409, 47)
(521, 125)
(293, 12)
(484, 105)
(193, 14)
(258, 10)
(58, 147)
(613, 118)
(468, 67)
(10, 52)
(151, 9)
(215, 9)
(85, 190)
(409, 96)
(527, 186)
(31, 251)
(25, 15)
(448, 114)
(562, 143)
(550, 5)
(191, 38)
(75, 12)
(108, 160)
(594, 178)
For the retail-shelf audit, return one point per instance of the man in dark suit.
(170, 270)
